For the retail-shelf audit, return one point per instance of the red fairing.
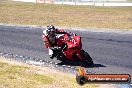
(72, 48)
(73, 43)
(77, 39)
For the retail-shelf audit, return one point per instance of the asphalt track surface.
(111, 52)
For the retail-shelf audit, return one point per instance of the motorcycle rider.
(49, 38)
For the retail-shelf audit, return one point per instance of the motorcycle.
(70, 48)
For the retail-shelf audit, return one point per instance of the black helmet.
(50, 29)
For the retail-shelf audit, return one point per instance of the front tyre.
(87, 59)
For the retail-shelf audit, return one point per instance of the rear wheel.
(87, 59)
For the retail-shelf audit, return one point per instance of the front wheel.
(87, 61)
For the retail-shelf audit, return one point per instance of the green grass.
(42, 79)
(64, 15)
(21, 76)
(15, 77)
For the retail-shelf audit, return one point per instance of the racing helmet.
(50, 30)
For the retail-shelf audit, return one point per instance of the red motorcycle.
(70, 48)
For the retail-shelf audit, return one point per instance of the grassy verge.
(13, 76)
(19, 75)
(67, 16)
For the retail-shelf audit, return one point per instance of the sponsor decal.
(83, 76)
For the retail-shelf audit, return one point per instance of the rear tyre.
(87, 59)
